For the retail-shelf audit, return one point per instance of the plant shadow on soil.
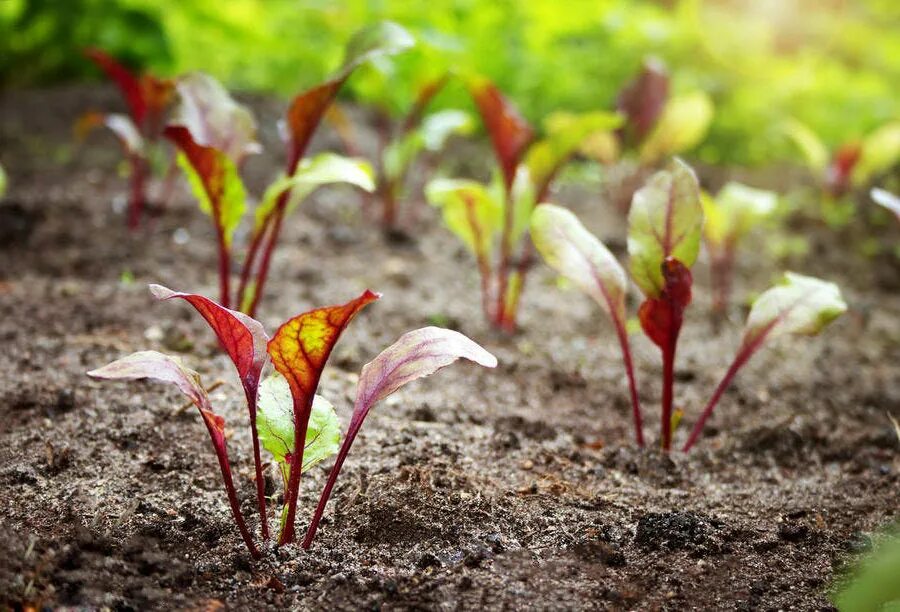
(516, 488)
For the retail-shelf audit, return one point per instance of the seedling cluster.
(284, 411)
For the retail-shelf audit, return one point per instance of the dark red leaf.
(643, 99)
(510, 133)
(304, 116)
(661, 317)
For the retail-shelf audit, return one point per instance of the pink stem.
(301, 420)
(632, 386)
(332, 478)
(257, 462)
(222, 455)
(136, 204)
(668, 355)
(263, 272)
(742, 357)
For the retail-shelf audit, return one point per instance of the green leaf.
(380, 39)
(811, 146)
(880, 151)
(874, 585)
(734, 212)
(231, 198)
(800, 305)
(470, 210)
(682, 125)
(275, 424)
(3, 181)
(578, 255)
(665, 220)
(324, 168)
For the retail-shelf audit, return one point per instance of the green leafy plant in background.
(492, 220)
(401, 142)
(729, 217)
(663, 242)
(851, 166)
(284, 411)
(3, 181)
(872, 585)
(214, 134)
(148, 98)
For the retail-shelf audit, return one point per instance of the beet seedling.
(663, 242)
(213, 134)
(285, 412)
(148, 98)
(402, 142)
(492, 220)
(734, 211)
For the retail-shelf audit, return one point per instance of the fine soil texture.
(514, 488)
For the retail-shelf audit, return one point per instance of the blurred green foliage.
(832, 64)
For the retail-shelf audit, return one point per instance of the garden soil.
(515, 488)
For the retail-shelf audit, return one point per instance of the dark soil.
(517, 488)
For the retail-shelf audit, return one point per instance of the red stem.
(138, 178)
(505, 255)
(250, 259)
(332, 478)
(389, 203)
(263, 272)
(251, 394)
(222, 455)
(632, 386)
(668, 355)
(484, 266)
(301, 420)
(224, 268)
(742, 357)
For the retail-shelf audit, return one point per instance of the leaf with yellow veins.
(299, 350)
(665, 220)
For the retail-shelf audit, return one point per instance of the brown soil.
(517, 488)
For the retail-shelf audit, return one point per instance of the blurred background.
(831, 65)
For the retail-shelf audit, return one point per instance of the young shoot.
(731, 215)
(148, 98)
(493, 220)
(285, 412)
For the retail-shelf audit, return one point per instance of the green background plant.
(762, 62)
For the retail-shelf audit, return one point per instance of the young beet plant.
(492, 220)
(730, 216)
(663, 242)
(214, 133)
(401, 143)
(148, 98)
(285, 412)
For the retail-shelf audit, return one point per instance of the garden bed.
(517, 488)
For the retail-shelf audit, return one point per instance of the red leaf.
(305, 114)
(643, 99)
(661, 317)
(299, 350)
(242, 337)
(147, 96)
(509, 132)
(839, 171)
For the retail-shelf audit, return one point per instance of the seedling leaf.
(470, 211)
(810, 145)
(734, 212)
(323, 169)
(121, 125)
(214, 118)
(214, 181)
(643, 99)
(299, 350)
(414, 355)
(879, 151)
(665, 221)
(682, 125)
(163, 368)
(510, 133)
(798, 305)
(275, 423)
